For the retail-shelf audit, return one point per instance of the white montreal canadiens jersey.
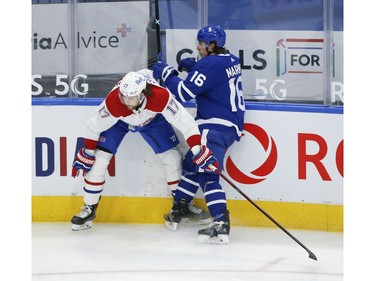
(161, 101)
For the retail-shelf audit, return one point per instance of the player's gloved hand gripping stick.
(204, 159)
(186, 64)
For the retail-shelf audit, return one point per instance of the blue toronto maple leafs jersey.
(216, 85)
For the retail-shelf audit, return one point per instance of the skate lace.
(217, 225)
(85, 211)
(193, 208)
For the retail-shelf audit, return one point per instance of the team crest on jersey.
(103, 112)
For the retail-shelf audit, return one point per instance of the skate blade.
(171, 225)
(77, 227)
(220, 239)
(196, 221)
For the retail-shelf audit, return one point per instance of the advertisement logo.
(51, 157)
(298, 55)
(83, 40)
(269, 152)
(123, 30)
(78, 85)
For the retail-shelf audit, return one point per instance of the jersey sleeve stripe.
(90, 144)
(190, 93)
(181, 97)
(193, 140)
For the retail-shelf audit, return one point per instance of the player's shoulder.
(225, 59)
(158, 98)
(217, 61)
(114, 105)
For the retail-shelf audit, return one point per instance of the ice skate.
(174, 217)
(84, 219)
(196, 215)
(217, 232)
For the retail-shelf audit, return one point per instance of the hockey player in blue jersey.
(214, 81)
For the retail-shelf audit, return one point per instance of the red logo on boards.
(260, 173)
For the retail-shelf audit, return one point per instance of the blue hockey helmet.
(211, 33)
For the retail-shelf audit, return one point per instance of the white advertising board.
(109, 37)
(276, 65)
(282, 156)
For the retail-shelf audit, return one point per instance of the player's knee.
(172, 161)
(99, 169)
(206, 178)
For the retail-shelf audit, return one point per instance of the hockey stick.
(311, 254)
(157, 26)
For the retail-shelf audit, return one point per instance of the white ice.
(138, 252)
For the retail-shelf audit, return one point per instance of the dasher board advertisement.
(282, 156)
(276, 65)
(106, 38)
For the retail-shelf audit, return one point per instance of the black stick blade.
(312, 256)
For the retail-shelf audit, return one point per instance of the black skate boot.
(174, 217)
(84, 219)
(217, 232)
(196, 215)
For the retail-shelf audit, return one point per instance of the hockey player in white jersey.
(215, 83)
(136, 104)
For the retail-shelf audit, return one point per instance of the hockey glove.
(186, 64)
(83, 161)
(204, 159)
(161, 70)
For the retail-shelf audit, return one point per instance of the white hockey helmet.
(132, 84)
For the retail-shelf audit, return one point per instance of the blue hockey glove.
(161, 70)
(83, 161)
(186, 64)
(204, 159)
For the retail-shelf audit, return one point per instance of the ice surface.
(138, 252)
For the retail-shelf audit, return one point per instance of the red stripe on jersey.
(94, 183)
(115, 106)
(158, 100)
(194, 140)
(90, 144)
(173, 182)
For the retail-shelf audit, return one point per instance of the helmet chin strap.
(141, 98)
(140, 102)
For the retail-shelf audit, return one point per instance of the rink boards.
(289, 161)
